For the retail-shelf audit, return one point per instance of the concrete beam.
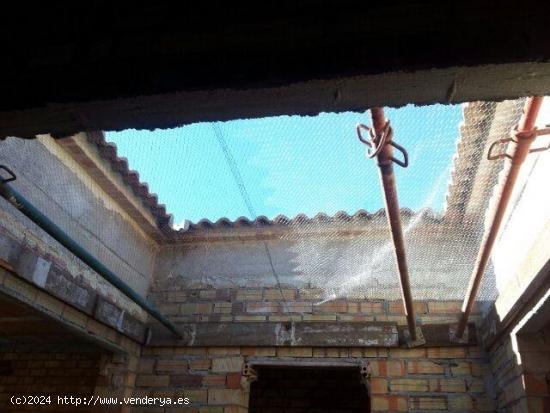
(104, 65)
(302, 334)
(358, 93)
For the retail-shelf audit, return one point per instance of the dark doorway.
(308, 390)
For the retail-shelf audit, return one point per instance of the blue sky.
(291, 164)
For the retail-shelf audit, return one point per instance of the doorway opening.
(284, 389)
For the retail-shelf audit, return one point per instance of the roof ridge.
(323, 218)
(108, 151)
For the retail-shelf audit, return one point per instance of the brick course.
(399, 379)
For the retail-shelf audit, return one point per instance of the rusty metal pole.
(385, 161)
(518, 150)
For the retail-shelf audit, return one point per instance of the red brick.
(227, 397)
(397, 307)
(424, 367)
(262, 307)
(258, 351)
(340, 306)
(203, 364)
(409, 385)
(372, 307)
(171, 365)
(297, 307)
(407, 353)
(447, 385)
(535, 384)
(460, 403)
(446, 352)
(233, 381)
(445, 307)
(385, 368)
(150, 380)
(214, 380)
(378, 386)
(187, 381)
(428, 403)
(274, 294)
(389, 403)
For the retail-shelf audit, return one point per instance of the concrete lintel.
(258, 334)
(355, 93)
(301, 334)
(46, 274)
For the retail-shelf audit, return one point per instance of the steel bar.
(517, 152)
(28, 209)
(387, 177)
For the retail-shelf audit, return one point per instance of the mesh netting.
(289, 169)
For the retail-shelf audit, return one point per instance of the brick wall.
(451, 379)
(439, 378)
(290, 304)
(522, 382)
(27, 372)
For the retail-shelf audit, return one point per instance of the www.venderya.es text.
(98, 400)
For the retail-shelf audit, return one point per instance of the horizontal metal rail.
(29, 210)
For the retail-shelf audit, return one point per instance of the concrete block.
(49, 303)
(108, 313)
(75, 317)
(15, 286)
(64, 287)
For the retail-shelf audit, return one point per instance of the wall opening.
(284, 389)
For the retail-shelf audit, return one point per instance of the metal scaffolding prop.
(519, 146)
(381, 145)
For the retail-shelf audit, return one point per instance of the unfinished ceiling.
(105, 66)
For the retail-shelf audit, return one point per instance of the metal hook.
(385, 139)
(387, 132)
(531, 135)
(405, 162)
(492, 157)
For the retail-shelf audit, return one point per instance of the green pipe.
(28, 209)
